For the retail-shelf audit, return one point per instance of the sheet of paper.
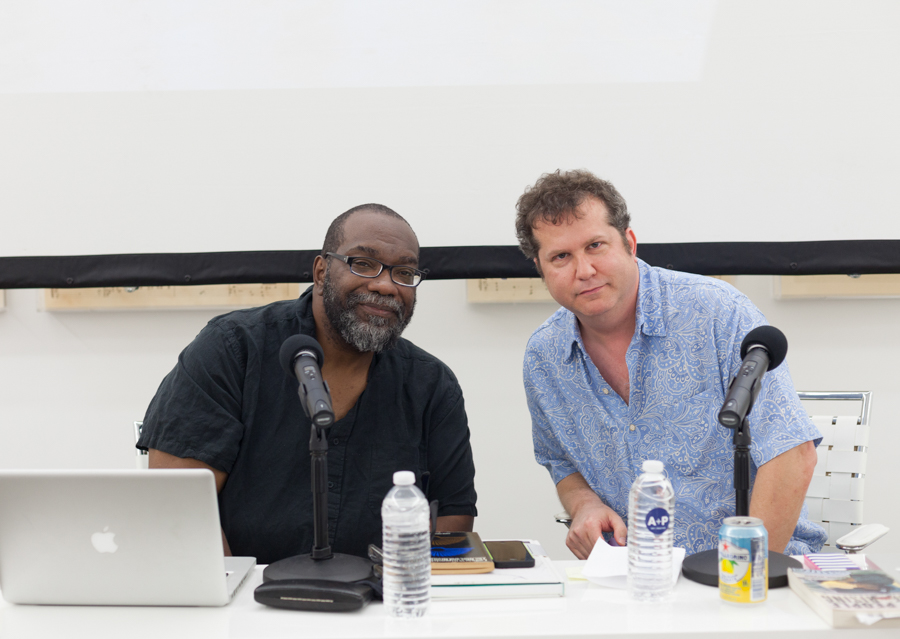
(608, 565)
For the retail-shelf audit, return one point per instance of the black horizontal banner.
(845, 257)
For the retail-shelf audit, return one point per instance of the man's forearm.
(455, 523)
(574, 492)
(159, 459)
(778, 492)
(590, 516)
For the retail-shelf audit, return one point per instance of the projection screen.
(151, 141)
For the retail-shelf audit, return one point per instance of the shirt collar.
(305, 313)
(649, 317)
(573, 337)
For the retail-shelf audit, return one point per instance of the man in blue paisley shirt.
(635, 366)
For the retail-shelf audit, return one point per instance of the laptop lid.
(114, 537)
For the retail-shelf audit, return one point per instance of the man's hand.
(590, 516)
(588, 525)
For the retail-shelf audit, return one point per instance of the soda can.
(743, 560)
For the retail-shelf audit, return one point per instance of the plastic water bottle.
(406, 544)
(651, 518)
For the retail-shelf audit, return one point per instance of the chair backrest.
(142, 459)
(835, 495)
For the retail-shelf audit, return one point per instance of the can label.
(743, 560)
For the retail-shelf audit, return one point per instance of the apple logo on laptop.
(104, 541)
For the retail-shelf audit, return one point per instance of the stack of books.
(459, 553)
(488, 583)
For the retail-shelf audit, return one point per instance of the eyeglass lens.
(371, 268)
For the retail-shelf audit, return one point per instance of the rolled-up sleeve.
(547, 449)
(452, 480)
(196, 412)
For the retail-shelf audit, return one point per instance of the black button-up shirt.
(229, 404)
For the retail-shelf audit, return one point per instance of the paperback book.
(459, 552)
(850, 598)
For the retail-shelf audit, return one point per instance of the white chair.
(142, 458)
(835, 494)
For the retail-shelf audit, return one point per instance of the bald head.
(334, 237)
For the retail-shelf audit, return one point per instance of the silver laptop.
(114, 537)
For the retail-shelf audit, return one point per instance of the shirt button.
(331, 484)
(631, 428)
(335, 441)
(606, 391)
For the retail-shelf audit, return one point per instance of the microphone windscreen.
(293, 345)
(771, 339)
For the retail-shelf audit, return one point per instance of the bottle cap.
(651, 466)
(404, 478)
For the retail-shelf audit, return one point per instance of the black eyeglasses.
(370, 267)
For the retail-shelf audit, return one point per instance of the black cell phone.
(510, 554)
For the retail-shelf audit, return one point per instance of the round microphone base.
(703, 568)
(339, 567)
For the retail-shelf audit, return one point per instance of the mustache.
(355, 299)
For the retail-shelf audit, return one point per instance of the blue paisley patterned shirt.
(684, 353)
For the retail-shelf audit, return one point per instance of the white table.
(587, 610)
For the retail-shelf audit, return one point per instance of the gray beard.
(373, 335)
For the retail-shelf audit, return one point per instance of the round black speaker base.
(339, 567)
(703, 568)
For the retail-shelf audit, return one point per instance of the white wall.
(72, 383)
(776, 120)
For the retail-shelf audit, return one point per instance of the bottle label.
(658, 521)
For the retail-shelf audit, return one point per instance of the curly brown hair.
(556, 196)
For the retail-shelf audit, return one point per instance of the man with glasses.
(228, 406)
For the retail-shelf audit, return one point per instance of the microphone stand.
(321, 563)
(741, 443)
(703, 567)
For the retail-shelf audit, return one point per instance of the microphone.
(764, 348)
(301, 357)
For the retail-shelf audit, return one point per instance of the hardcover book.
(459, 552)
(849, 598)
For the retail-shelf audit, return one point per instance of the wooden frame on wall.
(876, 285)
(214, 296)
